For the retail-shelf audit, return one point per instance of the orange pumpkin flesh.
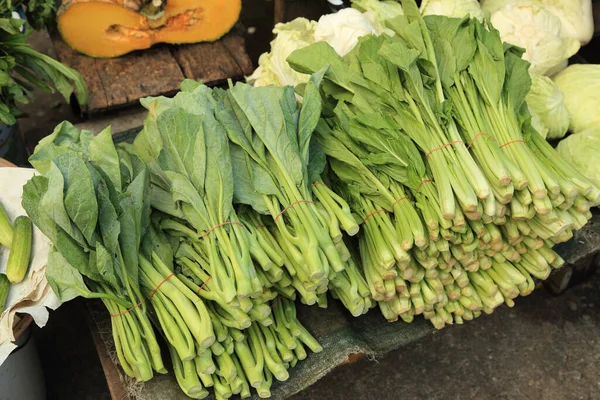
(106, 28)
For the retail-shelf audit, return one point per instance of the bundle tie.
(373, 213)
(317, 183)
(477, 136)
(443, 147)
(204, 283)
(260, 226)
(422, 182)
(513, 141)
(399, 200)
(143, 300)
(220, 225)
(290, 206)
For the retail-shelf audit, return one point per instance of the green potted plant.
(23, 69)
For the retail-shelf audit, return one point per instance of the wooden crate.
(116, 83)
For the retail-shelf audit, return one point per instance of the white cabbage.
(273, 68)
(583, 151)
(528, 24)
(546, 101)
(580, 84)
(342, 29)
(576, 17)
(452, 8)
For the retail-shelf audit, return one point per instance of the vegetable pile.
(408, 177)
(430, 141)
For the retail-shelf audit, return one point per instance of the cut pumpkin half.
(110, 28)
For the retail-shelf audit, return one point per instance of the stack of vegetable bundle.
(489, 192)
(93, 200)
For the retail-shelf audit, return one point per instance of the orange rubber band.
(317, 183)
(399, 200)
(220, 225)
(373, 213)
(261, 226)
(475, 138)
(159, 285)
(204, 283)
(143, 300)
(443, 147)
(513, 141)
(290, 206)
(422, 182)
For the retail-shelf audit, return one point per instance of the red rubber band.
(443, 147)
(373, 213)
(422, 182)
(220, 225)
(513, 141)
(317, 183)
(290, 206)
(475, 138)
(204, 283)
(399, 200)
(143, 300)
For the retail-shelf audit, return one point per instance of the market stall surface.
(546, 347)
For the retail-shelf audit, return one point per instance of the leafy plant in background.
(22, 69)
(40, 14)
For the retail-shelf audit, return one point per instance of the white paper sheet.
(32, 296)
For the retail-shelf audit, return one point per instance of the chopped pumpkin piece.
(110, 28)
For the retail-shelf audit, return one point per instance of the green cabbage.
(545, 100)
(452, 8)
(580, 84)
(583, 151)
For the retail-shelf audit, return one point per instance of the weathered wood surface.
(115, 83)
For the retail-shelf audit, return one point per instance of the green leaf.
(66, 282)
(103, 155)
(183, 191)
(52, 204)
(106, 267)
(219, 174)
(184, 144)
(80, 197)
(244, 191)
(257, 104)
(108, 220)
(309, 114)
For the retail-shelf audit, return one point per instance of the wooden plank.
(236, 45)
(211, 62)
(116, 386)
(120, 82)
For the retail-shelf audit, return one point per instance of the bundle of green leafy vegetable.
(93, 201)
(435, 116)
(22, 69)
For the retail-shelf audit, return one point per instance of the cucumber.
(6, 229)
(4, 285)
(20, 253)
